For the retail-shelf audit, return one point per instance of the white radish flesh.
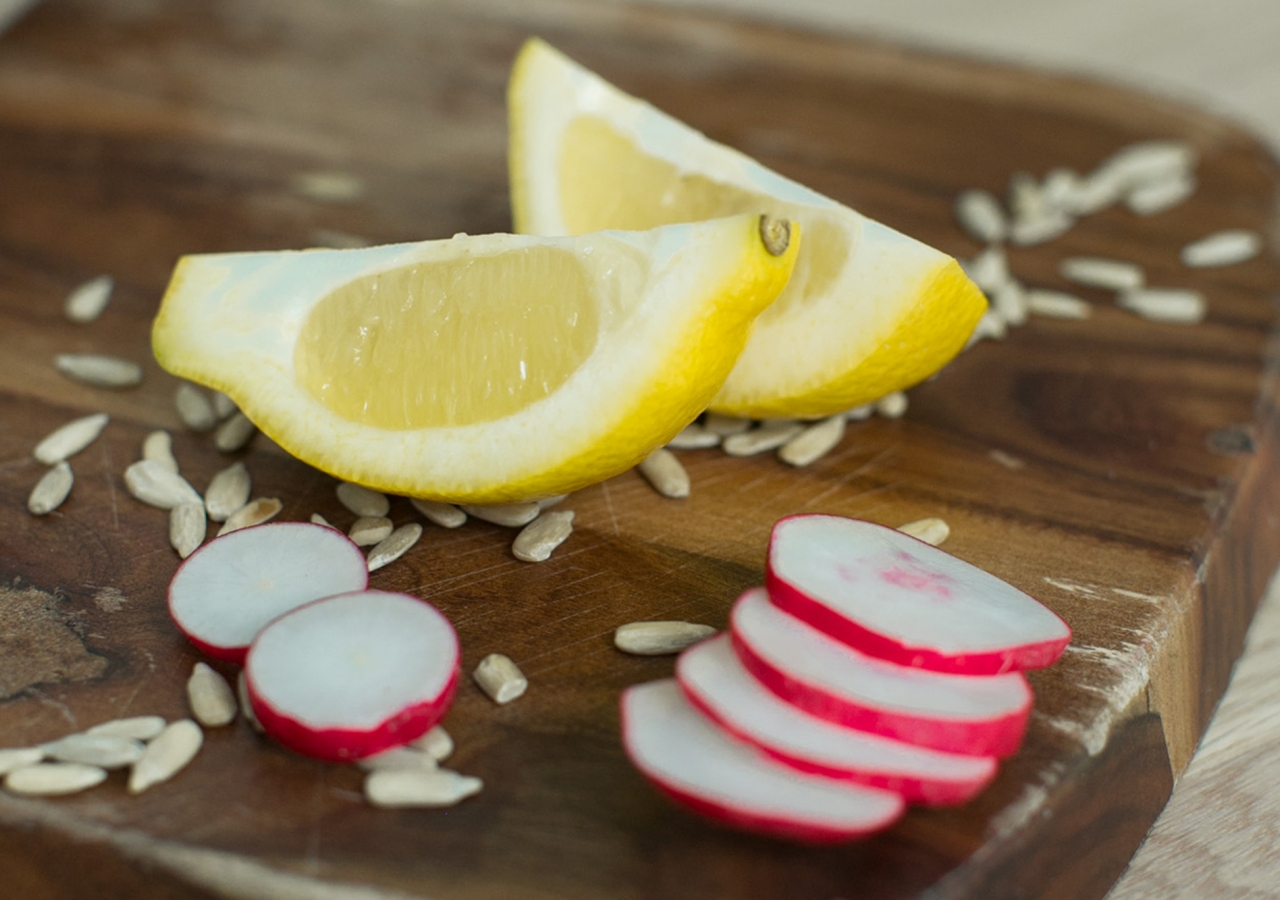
(353, 675)
(224, 593)
(697, 765)
(895, 597)
(978, 715)
(714, 680)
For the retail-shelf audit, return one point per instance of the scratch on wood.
(608, 505)
(111, 487)
(1027, 804)
(1099, 592)
(56, 704)
(1129, 668)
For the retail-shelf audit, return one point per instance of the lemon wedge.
(483, 369)
(868, 310)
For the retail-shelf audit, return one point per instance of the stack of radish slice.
(874, 671)
(332, 669)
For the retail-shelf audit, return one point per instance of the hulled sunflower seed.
(211, 699)
(156, 486)
(246, 708)
(771, 435)
(1223, 248)
(1040, 230)
(70, 439)
(95, 750)
(19, 758)
(53, 779)
(1057, 304)
(398, 759)
(932, 530)
(51, 490)
(194, 408)
(158, 447)
(991, 326)
(1165, 304)
(694, 437)
(1010, 301)
(138, 728)
(327, 187)
(362, 500)
(659, 638)
(860, 413)
(718, 423)
(537, 540)
(394, 546)
(437, 742)
(369, 530)
(500, 678)
(1026, 202)
(511, 515)
(228, 491)
(547, 503)
(813, 443)
(317, 519)
(1008, 460)
(1150, 161)
(255, 512)
(234, 434)
(1109, 274)
(663, 470)
(187, 528)
(1059, 188)
(429, 788)
(99, 371)
(892, 405)
(166, 755)
(980, 214)
(446, 515)
(88, 300)
(1094, 193)
(1149, 199)
(989, 269)
(223, 406)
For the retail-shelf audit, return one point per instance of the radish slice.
(224, 593)
(698, 766)
(900, 599)
(353, 675)
(715, 682)
(978, 715)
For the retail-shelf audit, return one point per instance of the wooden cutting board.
(1121, 470)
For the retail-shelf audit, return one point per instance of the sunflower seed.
(138, 728)
(327, 187)
(860, 413)
(932, 530)
(194, 408)
(723, 425)
(991, 326)
(398, 759)
(1224, 248)
(500, 678)
(1147, 162)
(437, 742)
(813, 443)
(1109, 274)
(1149, 199)
(317, 519)
(1029, 232)
(255, 512)
(446, 515)
(771, 435)
(694, 437)
(1165, 304)
(989, 269)
(892, 405)
(979, 213)
(1057, 304)
(99, 371)
(1059, 188)
(158, 447)
(1008, 460)
(95, 750)
(187, 528)
(369, 530)
(1010, 300)
(433, 788)
(86, 302)
(166, 755)
(659, 638)
(51, 490)
(156, 486)
(228, 491)
(511, 515)
(223, 406)
(537, 540)
(394, 546)
(362, 501)
(210, 697)
(234, 434)
(547, 503)
(52, 779)
(246, 708)
(70, 439)
(1026, 202)
(19, 758)
(662, 470)
(1093, 193)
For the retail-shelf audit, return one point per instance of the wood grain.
(132, 132)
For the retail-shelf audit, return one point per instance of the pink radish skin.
(715, 682)
(699, 767)
(898, 598)
(982, 715)
(353, 675)
(225, 592)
